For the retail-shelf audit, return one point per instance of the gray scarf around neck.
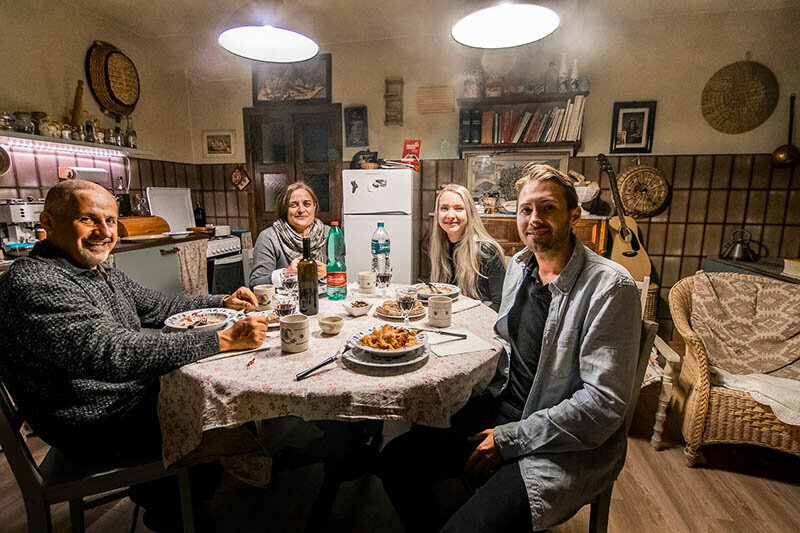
(292, 242)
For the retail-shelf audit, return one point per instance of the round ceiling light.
(267, 43)
(505, 25)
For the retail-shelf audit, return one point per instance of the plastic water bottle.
(380, 249)
(337, 267)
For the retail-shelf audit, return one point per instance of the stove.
(221, 246)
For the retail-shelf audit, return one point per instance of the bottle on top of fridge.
(337, 267)
(380, 249)
(307, 281)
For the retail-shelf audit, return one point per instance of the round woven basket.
(739, 97)
(113, 78)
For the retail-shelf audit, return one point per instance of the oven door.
(225, 273)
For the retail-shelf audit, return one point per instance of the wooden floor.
(737, 488)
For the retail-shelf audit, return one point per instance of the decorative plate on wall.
(113, 78)
(644, 190)
(739, 97)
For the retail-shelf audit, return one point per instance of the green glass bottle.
(307, 284)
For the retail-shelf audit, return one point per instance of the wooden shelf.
(513, 147)
(517, 99)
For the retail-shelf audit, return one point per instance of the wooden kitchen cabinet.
(592, 231)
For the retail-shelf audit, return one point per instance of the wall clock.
(644, 190)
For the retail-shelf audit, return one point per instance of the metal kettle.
(739, 249)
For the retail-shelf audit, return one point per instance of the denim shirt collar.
(568, 275)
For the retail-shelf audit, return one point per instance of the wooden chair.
(59, 479)
(714, 414)
(600, 507)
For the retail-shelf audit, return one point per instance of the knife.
(443, 332)
(305, 373)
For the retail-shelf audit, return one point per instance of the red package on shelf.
(411, 152)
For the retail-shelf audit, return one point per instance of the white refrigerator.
(388, 196)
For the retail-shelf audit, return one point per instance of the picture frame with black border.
(276, 83)
(489, 171)
(356, 126)
(632, 125)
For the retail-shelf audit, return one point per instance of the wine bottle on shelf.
(307, 281)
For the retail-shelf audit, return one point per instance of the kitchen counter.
(139, 245)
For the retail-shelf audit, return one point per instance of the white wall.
(44, 44)
(668, 59)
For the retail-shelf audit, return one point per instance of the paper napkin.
(443, 345)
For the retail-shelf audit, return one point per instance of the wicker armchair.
(714, 414)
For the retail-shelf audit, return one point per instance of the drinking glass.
(406, 298)
(383, 279)
(284, 304)
(289, 282)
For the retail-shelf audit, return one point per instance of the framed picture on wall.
(218, 143)
(292, 82)
(632, 127)
(492, 172)
(355, 126)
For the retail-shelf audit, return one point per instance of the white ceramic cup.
(440, 311)
(295, 333)
(264, 294)
(366, 282)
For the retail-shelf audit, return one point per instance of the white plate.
(398, 317)
(355, 340)
(176, 233)
(183, 320)
(360, 357)
(136, 238)
(454, 290)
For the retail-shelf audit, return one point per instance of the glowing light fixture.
(505, 25)
(60, 146)
(267, 43)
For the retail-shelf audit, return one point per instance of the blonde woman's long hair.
(468, 251)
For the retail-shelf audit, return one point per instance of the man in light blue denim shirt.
(550, 435)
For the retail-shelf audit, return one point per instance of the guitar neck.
(612, 179)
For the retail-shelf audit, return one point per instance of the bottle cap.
(334, 223)
(380, 224)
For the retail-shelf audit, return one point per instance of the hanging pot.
(788, 154)
(739, 249)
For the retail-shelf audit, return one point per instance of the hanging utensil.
(788, 154)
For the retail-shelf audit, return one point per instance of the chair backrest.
(16, 449)
(643, 287)
(649, 330)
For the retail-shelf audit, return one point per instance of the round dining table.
(229, 391)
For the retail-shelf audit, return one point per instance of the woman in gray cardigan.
(279, 248)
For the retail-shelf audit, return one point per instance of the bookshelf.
(534, 121)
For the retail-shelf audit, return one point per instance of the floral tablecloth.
(227, 393)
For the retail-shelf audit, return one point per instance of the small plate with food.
(388, 340)
(425, 291)
(391, 310)
(357, 307)
(272, 317)
(209, 319)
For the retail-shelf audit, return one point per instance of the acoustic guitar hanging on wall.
(626, 248)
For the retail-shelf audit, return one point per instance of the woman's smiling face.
(302, 210)
(452, 215)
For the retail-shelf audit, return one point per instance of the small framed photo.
(218, 143)
(632, 127)
(356, 130)
(308, 81)
(491, 172)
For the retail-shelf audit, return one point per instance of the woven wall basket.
(739, 97)
(113, 78)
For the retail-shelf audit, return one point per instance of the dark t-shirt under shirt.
(526, 322)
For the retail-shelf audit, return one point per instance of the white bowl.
(357, 311)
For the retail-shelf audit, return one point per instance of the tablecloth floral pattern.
(230, 392)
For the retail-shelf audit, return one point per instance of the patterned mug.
(440, 311)
(295, 333)
(264, 294)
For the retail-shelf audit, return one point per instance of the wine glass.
(406, 299)
(383, 279)
(284, 304)
(289, 282)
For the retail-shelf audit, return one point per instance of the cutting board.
(142, 226)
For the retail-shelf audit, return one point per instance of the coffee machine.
(18, 219)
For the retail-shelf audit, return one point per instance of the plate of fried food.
(274, 320)
(391, 310)
(426, 290)
(209, 319)
(388, 340)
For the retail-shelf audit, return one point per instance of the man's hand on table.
(486, 458)
(245, 334)
(242, 299)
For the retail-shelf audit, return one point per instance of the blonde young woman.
(462, 251)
